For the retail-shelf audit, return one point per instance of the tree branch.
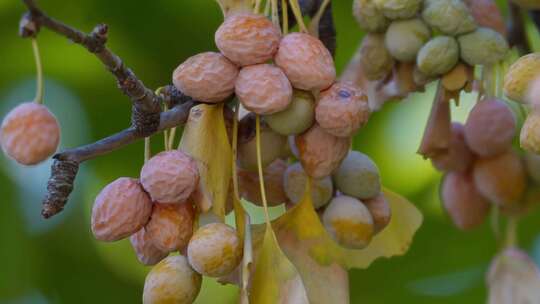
(66, 163)
(146, 105)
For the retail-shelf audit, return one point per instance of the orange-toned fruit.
(248, 39)
(206, 77)
(214, 250)
(349, 222)
(321, 152)
(458, 157)
(465, 205)
(529, 138)
(263, 89)
(172, 281)
(121, 209)
(520, 74)
(306, 61)
(29, 133)
(250, 189)
(380, 211)
(171, 226)
(342, 109)
(501, 179)
(170, 177)
(147, 253)
(490, 127)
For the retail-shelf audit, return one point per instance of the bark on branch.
(66, 163)
(146, 105)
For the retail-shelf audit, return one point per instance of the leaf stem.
(39, 72)
(298, 15)
(259, 166)
(275, 14)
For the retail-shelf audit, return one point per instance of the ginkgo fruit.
(349, 222)
(214, 250)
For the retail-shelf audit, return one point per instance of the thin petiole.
(39, 72)
(147, 152)
(259, 167)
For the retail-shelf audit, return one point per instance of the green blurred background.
(58, 261)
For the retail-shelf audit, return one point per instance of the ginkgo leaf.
(394, 240)
(205, 139)
(321, 262)
(275, 278)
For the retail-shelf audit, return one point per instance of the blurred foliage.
(59, 262)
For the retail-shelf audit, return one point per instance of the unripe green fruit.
(483, 47)
(452, 17)
(294, 183)
(172, 281)
(438, 56)
(404, 38)
(375, 60)
(398, 9)
(297, 117)
(272, 147)
(369, 17)
(358, 176)
(349, 222)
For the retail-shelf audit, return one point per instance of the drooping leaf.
(322, 263)
(205, 139)
(275, 278)
(394, 240)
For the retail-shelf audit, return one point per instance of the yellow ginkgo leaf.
(275, 278)
(205, 139)
(322, 263)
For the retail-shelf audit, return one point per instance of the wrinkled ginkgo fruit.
(147, 253)
(342, 109)
(121, 209)
(207, 77)
(306, 61)
(170, 177)
(29, 133)
(263, 89)
(171, 226)
(248, 39)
